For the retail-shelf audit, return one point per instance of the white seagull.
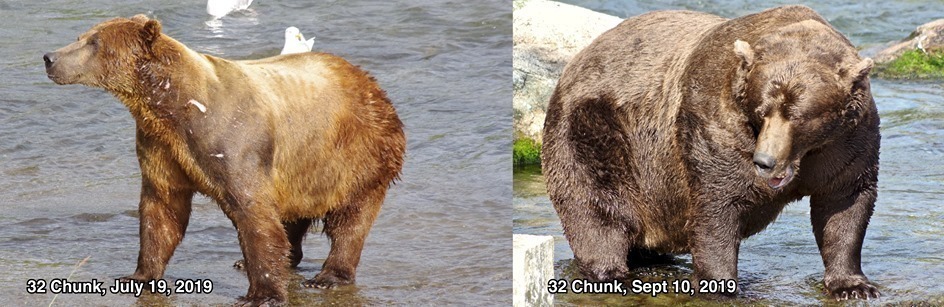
(219, 8)
(295, 42)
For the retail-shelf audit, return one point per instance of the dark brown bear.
(278, 143)
(684, 132)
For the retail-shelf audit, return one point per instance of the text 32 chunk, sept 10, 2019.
(636, 286)
(159, 286)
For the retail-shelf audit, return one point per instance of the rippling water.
(69, 177)
(781, 266)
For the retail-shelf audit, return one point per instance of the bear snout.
(765, 163)
(49, 59)
(767, 168)
(54, 74)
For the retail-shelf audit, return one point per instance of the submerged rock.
(547, 35)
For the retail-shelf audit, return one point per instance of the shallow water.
(70, 177)
(903, 248)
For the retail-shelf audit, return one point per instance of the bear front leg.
(265, 249)
(347, 227)
(164, 209)
(164, 219)
(715, 244)
(839, 227)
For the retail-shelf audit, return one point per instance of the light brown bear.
(278, 143)
(684, 132)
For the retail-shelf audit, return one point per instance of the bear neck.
(155, 99)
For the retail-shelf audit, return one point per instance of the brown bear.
(684, 132)
(278, 143)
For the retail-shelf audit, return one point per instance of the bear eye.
(754, 129)
(93, 41)
(761, 111)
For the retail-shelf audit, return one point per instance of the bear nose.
(49, 58)
(764, 161)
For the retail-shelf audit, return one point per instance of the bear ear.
(861, 70)
(140, 18)
(739, 85)
(744, 52)
(151, 31)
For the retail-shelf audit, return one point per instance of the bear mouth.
(781, 180)
(55, 78)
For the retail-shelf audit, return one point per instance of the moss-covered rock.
(918, 56)
(914, 64)
(526, 151)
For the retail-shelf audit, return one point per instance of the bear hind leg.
(601, 245)
(347, 228)
(296, 231)
(601, 251)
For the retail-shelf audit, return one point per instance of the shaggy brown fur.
(277, 142)
(684, 132)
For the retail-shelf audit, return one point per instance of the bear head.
(801, 87)
(106, 56)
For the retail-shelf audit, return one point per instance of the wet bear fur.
(278, 143)
(685, 132)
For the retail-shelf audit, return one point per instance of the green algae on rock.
(526, 152)
(914, 64)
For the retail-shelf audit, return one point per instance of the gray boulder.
(547, 35)
(927, 37)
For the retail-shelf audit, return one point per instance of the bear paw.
(851, 287)
(326, 280)
(261, 302)
(240, 264)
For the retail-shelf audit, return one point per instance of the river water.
(903, 251)
(69, 178)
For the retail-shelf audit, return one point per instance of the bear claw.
(862, 291)
(326, 281)
(311, 283)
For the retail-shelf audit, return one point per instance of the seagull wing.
(310, 42)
